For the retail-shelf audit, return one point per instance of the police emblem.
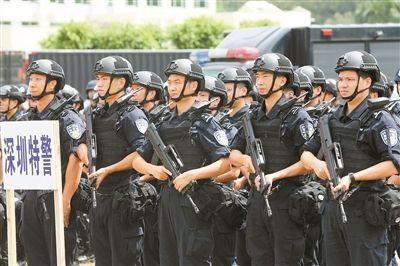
(74, 131)
(306, 130)
(141, 125)
(221, 137)
(389, 136)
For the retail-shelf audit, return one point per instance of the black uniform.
(38, 233)
(119, 130)
(365, 143)
(186, 238)
(277, 240)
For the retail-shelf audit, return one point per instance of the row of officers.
(219, 171)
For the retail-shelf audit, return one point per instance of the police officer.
(238, 85)
(46, 78)
(331, 92)
(276, 239)
(380, 88)
(371, 153)
(397, 80)
(72, 94)
(213, 90)
(152, 91)
(150, 95)
(11, 99)
(185, 237)
(119, 127)
(317, 77)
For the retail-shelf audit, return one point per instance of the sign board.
(29, 154)
(31, 160)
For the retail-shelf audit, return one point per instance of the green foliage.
(112, 36)
(378, 11)
(198, 32)
(256, 23)
(74, 35)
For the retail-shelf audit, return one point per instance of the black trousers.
(275, 240)
(242, 257)
(114, 243)
(312, 245)
(355, 242)
(151, 251)
(38, 233)
(224, 243)
(185, 239)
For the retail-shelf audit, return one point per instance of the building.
(24, 23)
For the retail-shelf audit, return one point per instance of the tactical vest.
(188, 149)
(353, 157)
(277, 155)
(111, 149)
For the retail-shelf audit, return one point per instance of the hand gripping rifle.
(333, 157)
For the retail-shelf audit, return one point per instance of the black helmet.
(189, 69)
(90, 85)
(331, 87)
(381, 86)
(397, 76)
(216, 88)
(236, 75)
(69, 92)
(114, 66)
(359, 61)
(276, 63)
(51, 69)
(23, 88)
(12, 92)
(315, 74)
(304, 83)
(150, 81)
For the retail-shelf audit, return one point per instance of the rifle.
(58, 107)
(333, 157)
(256, 152)
(169, 157)
(292, 101)
(382, 102)
(124, 98)
(91, 144)
(324, 107)
(157, 112)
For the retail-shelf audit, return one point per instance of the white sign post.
(31, 160)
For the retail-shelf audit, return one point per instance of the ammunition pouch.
(383, 208)
(304, 203)
(131, 201)
(215, 198)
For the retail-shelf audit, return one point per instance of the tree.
(74, 35)
(377, 11)
(198, 32)
(256, 23)
(79, 35)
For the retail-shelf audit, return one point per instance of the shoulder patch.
(141, 125)
(389, 137)
(74, 131)
(306, 130)
(221, 138)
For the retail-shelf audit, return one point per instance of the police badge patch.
(306, 130)
(141, 125)
(389, 137)
(221, 137)
(74, 131)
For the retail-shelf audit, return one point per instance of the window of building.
(132, 2)
(82, 1)
(178, 3)
(29, 23)
(57, 1)
(5, 22)
(200, 3)
(154, 2)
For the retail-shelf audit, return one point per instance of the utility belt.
(131, 201)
